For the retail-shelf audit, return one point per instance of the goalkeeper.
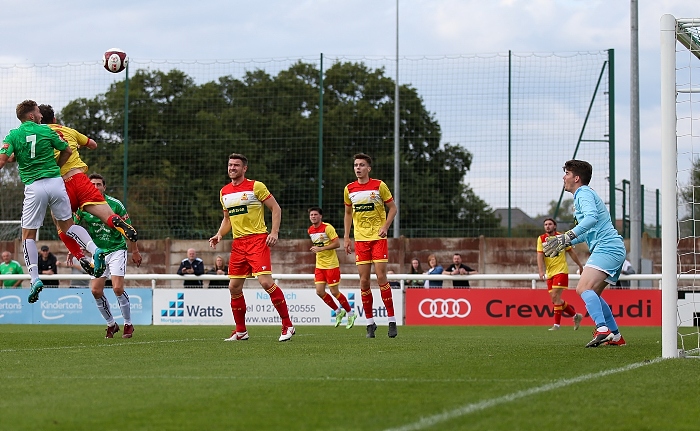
(594, 227)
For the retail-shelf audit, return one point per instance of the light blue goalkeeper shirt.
(592, 219)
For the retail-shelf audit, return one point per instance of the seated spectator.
(219, 268)
(9, 266)
(47, 265)
(192, 265)
(458, 268)
(395, 284)
(434, 270)
(416, 268)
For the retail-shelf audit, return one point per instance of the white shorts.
(46, 192)
(116, 264)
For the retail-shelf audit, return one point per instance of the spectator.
(192, 265)
(458, 268)
(219, 268)
(48, 265)
(416, 268)
(76, 268)
(627, 269)
(434, 269)
(9, 266)
(395, 284)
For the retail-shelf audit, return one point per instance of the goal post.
(680, 161)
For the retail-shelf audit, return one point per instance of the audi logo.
(449, 308)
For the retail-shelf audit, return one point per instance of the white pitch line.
(430, 421)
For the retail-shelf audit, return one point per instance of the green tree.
(181, 133)
(565, 213)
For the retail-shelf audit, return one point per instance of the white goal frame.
(673, 31)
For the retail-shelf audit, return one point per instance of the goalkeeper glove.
(558, 243)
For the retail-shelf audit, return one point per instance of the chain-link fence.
(482, 138)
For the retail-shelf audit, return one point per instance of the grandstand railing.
(533, 278)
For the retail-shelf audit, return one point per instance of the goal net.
(680, 159)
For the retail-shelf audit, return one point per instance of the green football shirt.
(33, 146)
(104, 237)
(10, 268)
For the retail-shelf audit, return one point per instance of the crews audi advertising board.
(521, 306)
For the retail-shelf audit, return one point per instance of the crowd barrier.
(182, 306)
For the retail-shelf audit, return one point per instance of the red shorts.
(82, 192)
(559, 281)
(371, 251)
(330, 276)
(250, 256)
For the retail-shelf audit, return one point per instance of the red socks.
(343, 302)
(385, 290)
(71, 245)
(557, 314)
(367, 303)
(328, 299)
(110, 220)
(277, 298)
(238, 308)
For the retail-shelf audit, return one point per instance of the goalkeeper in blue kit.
(594, 227)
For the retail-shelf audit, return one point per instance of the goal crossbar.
(688, 34)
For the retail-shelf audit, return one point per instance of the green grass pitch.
(435, 378)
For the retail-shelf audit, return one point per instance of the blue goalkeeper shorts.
(609, 259)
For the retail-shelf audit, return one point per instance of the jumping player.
(32, 146)
(83, 195)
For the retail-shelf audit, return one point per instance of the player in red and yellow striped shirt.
(324, 241)
(81, 192)
(365, 202)
(243, 201)
(556, 271)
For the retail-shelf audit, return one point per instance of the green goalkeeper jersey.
(33, 146)
(104, 237)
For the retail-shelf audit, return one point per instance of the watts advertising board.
(212, 307)
(522, 307)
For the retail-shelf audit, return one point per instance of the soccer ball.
(115, 60)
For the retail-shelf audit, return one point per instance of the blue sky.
(73, 30)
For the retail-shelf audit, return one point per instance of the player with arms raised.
(243, 201)
(324, 241)
(365, 202)
(32, 146)
(83, 195)
(594, 227)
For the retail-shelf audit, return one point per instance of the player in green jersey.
(115, 248)
(32, 146)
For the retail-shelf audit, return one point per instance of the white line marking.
(430, 421)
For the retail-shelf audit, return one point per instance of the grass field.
(438, 378)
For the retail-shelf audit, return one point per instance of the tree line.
(181, 133)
